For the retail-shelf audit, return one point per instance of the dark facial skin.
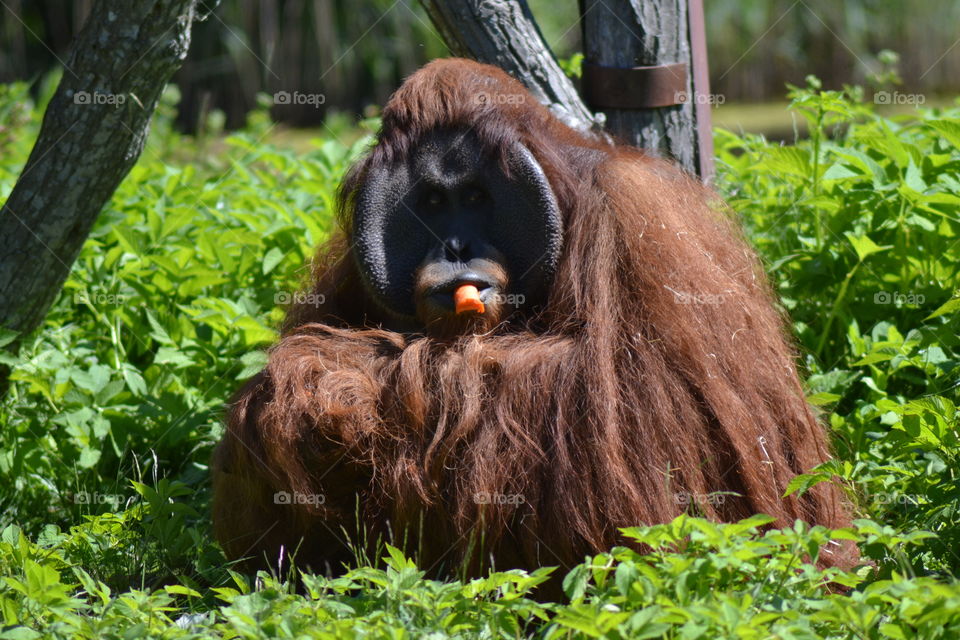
(455, 206)
(447, 216)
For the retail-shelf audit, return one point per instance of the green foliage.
(44, 588)
(572, 66)
(860, 227)
(115, 404)
(700, 579)
(174, 293)
(704, 580)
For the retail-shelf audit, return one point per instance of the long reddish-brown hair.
(657, 376)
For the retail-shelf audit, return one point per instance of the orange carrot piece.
(467, 298)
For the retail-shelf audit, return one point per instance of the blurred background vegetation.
(355, 53)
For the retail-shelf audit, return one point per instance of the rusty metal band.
(662, 85)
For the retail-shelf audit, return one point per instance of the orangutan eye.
(433, 198)
(475, 195)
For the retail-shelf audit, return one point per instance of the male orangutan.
(520, 339)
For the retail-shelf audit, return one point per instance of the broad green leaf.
(863, 245)
(839, 171)
(949, 129)
(950, 306)
(272, 259)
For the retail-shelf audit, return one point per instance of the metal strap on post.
(665, 85)
(634, 87)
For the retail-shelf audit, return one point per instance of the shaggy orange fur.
(658, 374)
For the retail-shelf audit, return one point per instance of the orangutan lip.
(442, 294)
(483, 285)
(445, 298)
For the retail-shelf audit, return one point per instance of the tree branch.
(504, 33)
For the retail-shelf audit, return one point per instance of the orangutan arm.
(286, 432)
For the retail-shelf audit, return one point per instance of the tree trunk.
(92, 133)
(631, 33)
(504, 33)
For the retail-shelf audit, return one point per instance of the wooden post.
(645, 69)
